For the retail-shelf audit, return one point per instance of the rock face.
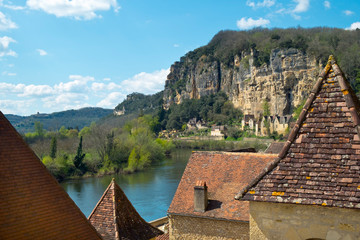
(284, 82)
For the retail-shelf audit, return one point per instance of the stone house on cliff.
(277, 123)
(312, 190)
(32, 203)
(203, 206)
(114, 217)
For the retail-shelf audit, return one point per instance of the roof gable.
(224, 173)
(320, 162)
(114, 217)
(32, 204)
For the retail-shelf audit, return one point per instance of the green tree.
(266, 108)
(78, 160)
(266, 113)
(53, 148)
(39, 129)
(298, 110)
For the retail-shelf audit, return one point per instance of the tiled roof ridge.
(116, 195)
(351, 104)
(234, 153)
(100, 201)
(113, 184)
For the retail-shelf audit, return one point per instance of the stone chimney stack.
(200, 196)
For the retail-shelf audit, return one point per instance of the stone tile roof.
(275, 147)
(320, 162)
(224, 173)
(114, 217)
(32, 203)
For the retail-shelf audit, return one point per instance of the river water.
(150, 191)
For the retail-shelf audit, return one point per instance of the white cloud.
(78, 9)
(10, 74)
(354, 26)
(106, 79)
(348, 12)
(78, 84)
(41, 52)
(11, 6)
(146, 82)
(4, 47)
(176, 45)
(249, 23)
(327, 4)
(265, 3)
(11, 88)
(37, 90)
(6, 23)
(111, 100)
(302, 6)
(16, 106)
(66, 100)
(77, 92)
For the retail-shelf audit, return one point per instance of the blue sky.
(60, 54)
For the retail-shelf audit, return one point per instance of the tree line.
(99, 149)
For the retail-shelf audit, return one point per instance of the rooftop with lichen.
(320, 162)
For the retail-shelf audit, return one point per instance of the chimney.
(200, 196)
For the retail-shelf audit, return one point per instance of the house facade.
(203, 206)
(312, 190)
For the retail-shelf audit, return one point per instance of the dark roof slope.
(114, 217)
(320, 162)
(32, 204)
(275, 147)
(224, 173)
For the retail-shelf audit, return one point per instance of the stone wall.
(185, 227)
(282, 221)
(284, 82)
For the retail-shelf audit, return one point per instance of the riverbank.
(150, 191)
(222, 145)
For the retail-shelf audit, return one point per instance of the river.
(150, 191)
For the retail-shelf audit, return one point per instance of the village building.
(267, 124)
(312, 190)
(248, 121)
(204, 206)
(32, 203)
(194, 124)
(217, 132)
(115, 218)
(119, 112)
(270, 124)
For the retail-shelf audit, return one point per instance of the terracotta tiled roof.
(165, 236)
(224, 173)
(114, 217)
(275, 147)
(320, 162)
(32, 204)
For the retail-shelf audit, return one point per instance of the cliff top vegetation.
(319, 42)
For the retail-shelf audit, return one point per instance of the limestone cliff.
(284, 81)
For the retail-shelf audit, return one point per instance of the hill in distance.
(53, 121)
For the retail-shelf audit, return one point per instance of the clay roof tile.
(224, 173)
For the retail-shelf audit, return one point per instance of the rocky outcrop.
(284, 82)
